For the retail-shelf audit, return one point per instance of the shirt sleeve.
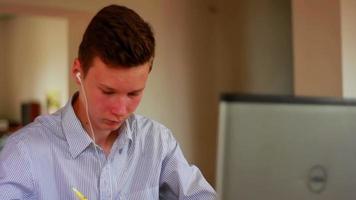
(15, 176)
(182, 181)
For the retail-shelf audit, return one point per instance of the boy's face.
(113, 94)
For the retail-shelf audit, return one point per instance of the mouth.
(113, 122)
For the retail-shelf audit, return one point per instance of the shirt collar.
(76, 136)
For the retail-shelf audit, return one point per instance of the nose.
(119, 107)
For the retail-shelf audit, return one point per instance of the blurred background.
(204, 48)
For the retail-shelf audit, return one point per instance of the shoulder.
(142, 126)
(35, 133)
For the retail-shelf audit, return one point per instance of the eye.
(134, 94)
(107, 92)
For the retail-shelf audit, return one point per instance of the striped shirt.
(54, 154)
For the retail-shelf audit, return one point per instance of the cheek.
(133, 103)
(101, 103)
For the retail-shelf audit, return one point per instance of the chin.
(111, 127)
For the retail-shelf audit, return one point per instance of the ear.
(151, 65)
(75, 69)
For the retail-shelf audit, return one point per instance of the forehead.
(115, 75)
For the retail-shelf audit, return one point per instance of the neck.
(105, 139)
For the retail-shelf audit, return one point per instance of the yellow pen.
(79, 194)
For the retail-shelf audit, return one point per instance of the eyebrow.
(110, 89)
(137, 91)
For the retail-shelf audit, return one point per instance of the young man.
(95, 147)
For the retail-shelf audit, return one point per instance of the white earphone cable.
(93, 135)
(90, 125)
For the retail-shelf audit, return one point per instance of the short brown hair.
(119, 36)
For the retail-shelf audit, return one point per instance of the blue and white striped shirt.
(49, 157)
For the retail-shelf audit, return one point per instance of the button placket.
(105, 187)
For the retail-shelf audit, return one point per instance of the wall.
(36, 57)
(3, 105)
(348, 32)
(317, 48)
(254, 46)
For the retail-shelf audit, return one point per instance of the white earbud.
(78, 77)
